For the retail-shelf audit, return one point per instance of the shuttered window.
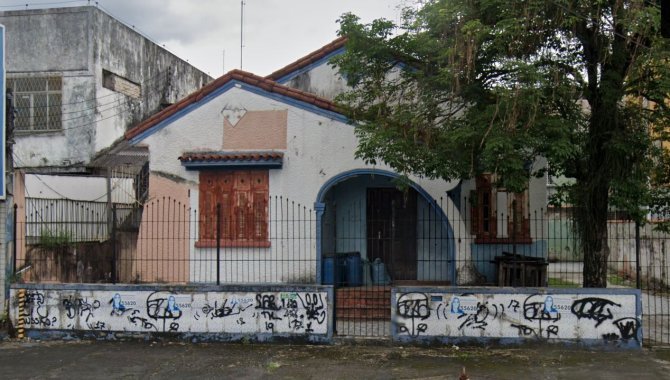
(498, 216)
(243, 196)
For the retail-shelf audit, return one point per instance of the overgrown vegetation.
(54, 239)
(461, 88)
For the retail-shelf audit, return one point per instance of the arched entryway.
(363, 212)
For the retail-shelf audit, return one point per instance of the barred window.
(38, 102)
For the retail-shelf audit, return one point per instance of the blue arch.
(320, 207)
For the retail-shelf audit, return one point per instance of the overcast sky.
(276, 32)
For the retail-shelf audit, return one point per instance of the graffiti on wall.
(532, 316)
(206, 312)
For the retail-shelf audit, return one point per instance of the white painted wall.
(562, 316)
(322, 80)
(225, 312)
(86, 189)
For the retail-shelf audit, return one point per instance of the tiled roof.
(237, 75)
(230, 156)
(308, 59)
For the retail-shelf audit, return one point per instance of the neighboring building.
(80, 79)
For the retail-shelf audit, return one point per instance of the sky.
(206, 33)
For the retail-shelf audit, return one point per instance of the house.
(287, 138)
(242, 139)
(80, 79)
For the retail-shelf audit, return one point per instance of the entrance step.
(370, 303)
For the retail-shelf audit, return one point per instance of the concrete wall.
(163, 77)
(319, 78)
(89, 188)
(231, 313)
(78, 43)
(5, 255)
(654, 253)
(590, 316)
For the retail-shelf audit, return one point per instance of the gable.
(235, 79)
(313, 73)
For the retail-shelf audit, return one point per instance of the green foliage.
(561, 283)
(461, 88)
(54, 239)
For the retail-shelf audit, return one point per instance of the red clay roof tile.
(308, 59)
(230, 156)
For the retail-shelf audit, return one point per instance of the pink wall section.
(161, 252)
(20, 201)
(256, 130)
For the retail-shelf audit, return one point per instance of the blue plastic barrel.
(332, 269)
(328, 271)
(354, 269)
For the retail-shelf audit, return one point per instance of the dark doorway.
(391, 231)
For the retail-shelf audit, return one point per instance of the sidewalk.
(157, 360)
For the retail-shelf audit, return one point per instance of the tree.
(461, 88)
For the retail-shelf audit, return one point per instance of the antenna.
(242, 3)
(224, 61)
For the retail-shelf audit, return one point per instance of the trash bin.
(354, 269)
(379, 274)
(333, 267)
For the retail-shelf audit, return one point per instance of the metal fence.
(361, 249)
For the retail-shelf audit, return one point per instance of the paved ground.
(134, 360)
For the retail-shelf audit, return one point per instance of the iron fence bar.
(637, 255)
(15, 234)
(218, 243)
(113, 242)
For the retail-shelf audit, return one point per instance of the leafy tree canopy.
(460, 88)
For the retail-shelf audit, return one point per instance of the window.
(498, 216)
(38, 102)
(243, 196)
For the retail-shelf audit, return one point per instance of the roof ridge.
(309, 58)
(239, 75)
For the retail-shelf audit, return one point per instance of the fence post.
(14, 258)
(114, 274)
(218, 243)
(637, 254)
(517, 267)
